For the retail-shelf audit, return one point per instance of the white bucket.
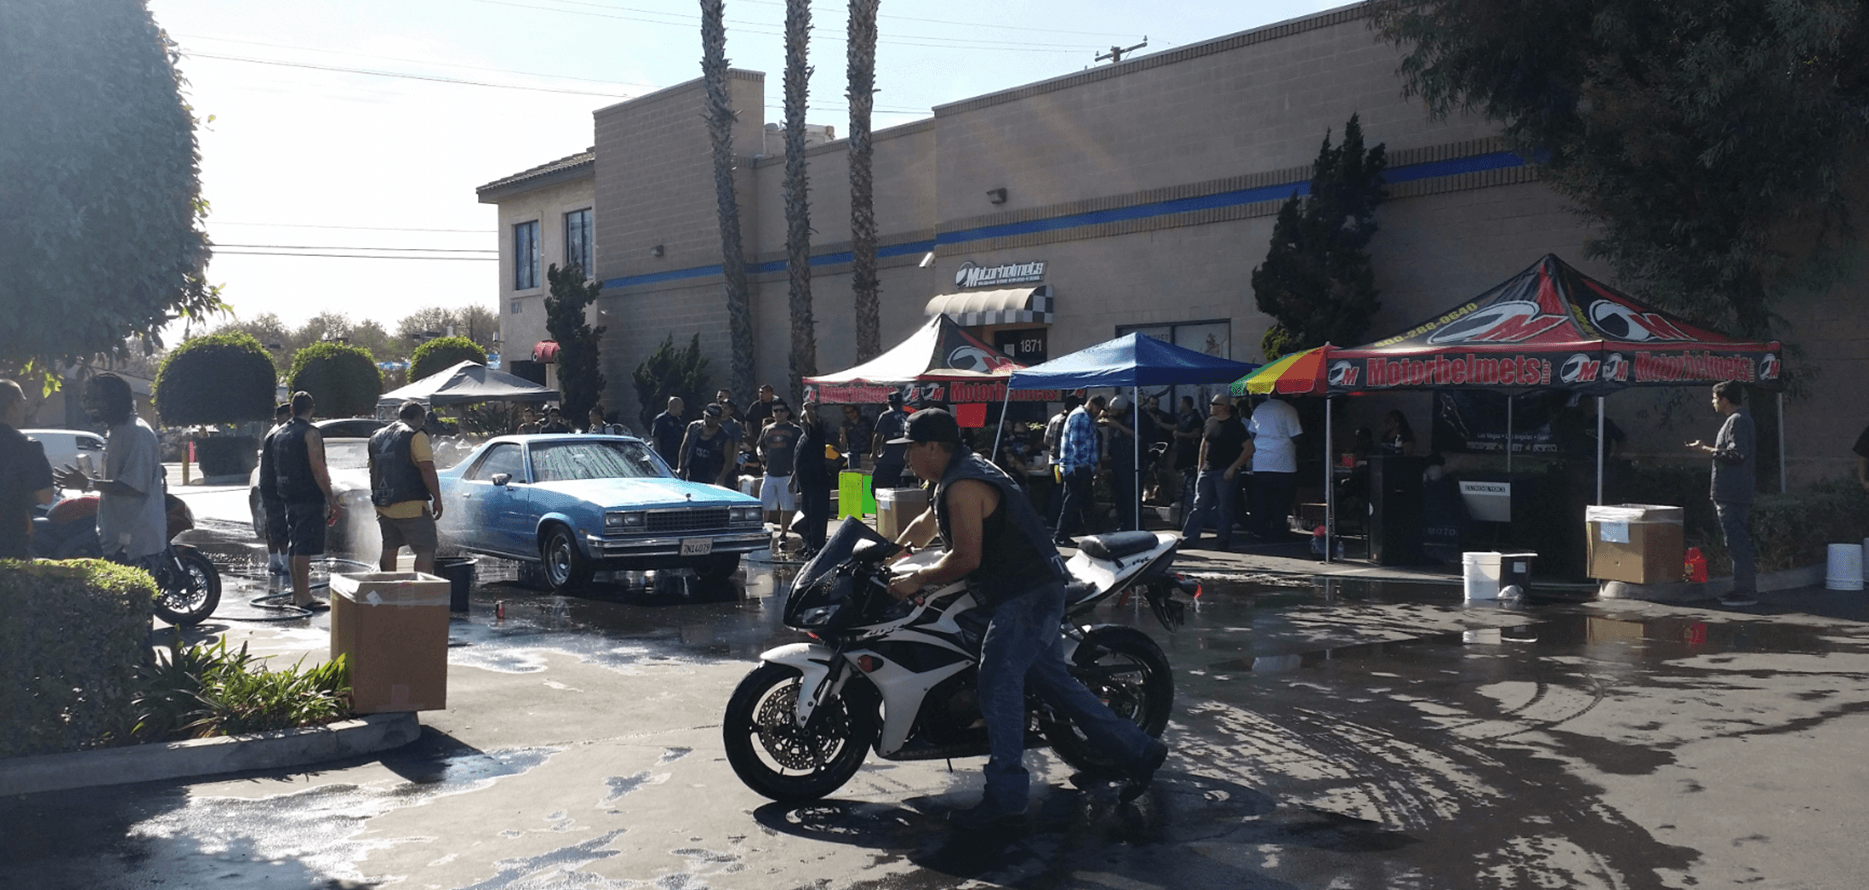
(1846, 567)
(1481, 571)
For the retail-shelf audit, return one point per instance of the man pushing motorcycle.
(995, 538)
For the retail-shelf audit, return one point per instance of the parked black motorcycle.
(188, 583)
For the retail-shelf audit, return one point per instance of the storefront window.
(1213, 338)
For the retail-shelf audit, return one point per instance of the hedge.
(72, 636)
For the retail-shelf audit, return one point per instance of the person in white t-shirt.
(1275, 430)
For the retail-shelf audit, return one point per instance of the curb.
(206, 757)
(1691, 592)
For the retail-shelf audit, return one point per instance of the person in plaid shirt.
(1078, 456)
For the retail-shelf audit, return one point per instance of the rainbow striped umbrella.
(1297, 374)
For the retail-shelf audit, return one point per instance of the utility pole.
(1116, 53)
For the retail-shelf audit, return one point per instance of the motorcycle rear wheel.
(781, 760)
(190, 589)
(1125, 668)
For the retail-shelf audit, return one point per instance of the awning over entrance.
(545, 351)
(1017, 305)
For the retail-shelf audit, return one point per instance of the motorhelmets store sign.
(971, 274)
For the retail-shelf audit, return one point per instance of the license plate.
(697, 546)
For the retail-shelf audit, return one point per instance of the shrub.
(71, 643)
(219, 378)
(1794, 529)
(205, 690)
(442, 353)
(344, 380)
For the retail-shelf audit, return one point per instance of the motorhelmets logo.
(974, 359)
(1615, 367)
(1770, 366)
(1579, 368)
(1342, 373)
(1513, 321)
(1633, 325)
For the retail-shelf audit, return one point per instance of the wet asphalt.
(1325, 735)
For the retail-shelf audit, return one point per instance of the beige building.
(1136, 196)
(546, 219)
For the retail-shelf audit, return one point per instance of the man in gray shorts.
(404, 489)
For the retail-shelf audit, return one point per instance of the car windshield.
(571, 461)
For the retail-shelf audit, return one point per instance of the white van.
(63, 448)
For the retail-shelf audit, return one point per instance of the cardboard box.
(393, 628)
(1635, 543)
(897, 507)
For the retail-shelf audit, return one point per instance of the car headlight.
(746, 514)
(624, 521)
(816, 617)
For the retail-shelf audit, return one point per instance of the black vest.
(292, 463)
(394, 477)
(1016, 553)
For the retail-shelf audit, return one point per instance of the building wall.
(521, 329)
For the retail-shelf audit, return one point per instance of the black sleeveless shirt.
(1016, 553)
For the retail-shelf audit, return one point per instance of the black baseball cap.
(929, 425)
(895, 399)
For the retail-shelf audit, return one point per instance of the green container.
(853, 495)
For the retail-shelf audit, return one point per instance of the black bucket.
(459, 570)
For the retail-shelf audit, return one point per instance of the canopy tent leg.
(1784, 474)
(1330, 491)
(1000, 432)
(1135, 450)
(1599, 450)
(1508, 432)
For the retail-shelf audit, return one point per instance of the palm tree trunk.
(797, 199)
(720, 117)
(863, 281)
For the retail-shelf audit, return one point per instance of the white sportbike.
(899, 677)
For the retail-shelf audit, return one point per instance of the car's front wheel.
(718, 567)
(565, 565)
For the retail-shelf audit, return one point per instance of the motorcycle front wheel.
(1125, 668)
(190, 588)
(778, 758)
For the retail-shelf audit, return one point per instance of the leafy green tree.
(218, 378)
(1316, 282)
(1712, 146)
(100, 235)
(579, 377)
(475, 322)
(442, 353)
(343, 379)
(671, 372)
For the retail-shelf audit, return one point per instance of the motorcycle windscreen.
(819, 586)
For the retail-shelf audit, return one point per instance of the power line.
(360, 256)
(430, 78)
(335, 247)
(339, 52)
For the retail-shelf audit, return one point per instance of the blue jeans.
(1736, 528)
(1214, 493)
(1023, 647)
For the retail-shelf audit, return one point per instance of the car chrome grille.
(692, 520)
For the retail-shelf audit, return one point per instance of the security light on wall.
(656, 250)
(927, 260)
(997, 196)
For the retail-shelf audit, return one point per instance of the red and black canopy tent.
(1550, 327)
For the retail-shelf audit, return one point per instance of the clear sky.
(347, 136)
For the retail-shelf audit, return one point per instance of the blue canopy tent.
(1133, 361)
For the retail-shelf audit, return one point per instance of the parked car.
(348, 462)
(349, 427)
(63, 447)
(576, 504)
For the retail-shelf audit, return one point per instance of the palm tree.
(797, 200)
(720, 117)
(862, 91)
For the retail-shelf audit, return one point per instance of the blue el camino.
(579, 503)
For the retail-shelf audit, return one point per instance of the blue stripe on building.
(1395, 176)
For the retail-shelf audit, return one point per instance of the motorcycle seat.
(1116, 545)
